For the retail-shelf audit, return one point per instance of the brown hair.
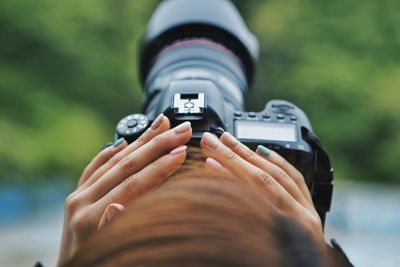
(200, 221)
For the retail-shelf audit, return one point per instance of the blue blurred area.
(366, 208)
(20, 202)
(365, 220)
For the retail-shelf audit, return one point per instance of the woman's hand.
(118, 175)
(281, 183)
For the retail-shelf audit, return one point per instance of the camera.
(197, 63)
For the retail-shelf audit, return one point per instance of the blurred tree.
(68, 73)
(339, 61)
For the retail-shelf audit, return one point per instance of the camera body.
(280, 126)
(196, 64)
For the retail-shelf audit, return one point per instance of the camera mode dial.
(132, 126)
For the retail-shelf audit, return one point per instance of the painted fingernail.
(231, 141)
(183, 127)
(213, 164)
(178, 150)
(111, 212)
(118, 142)
(210, 140)
(263, 150)
(157, 122)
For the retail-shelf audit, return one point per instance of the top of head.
(217, 20)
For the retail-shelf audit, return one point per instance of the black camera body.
(279, 126)
(197, 63)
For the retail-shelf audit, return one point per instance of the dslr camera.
(197, 62)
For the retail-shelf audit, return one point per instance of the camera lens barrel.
(216, 20)
(197, 59)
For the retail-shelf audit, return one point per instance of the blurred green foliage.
(68, 74)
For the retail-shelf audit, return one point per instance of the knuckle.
(114, 160)
(72, 203)
(314, 220)
(131, 185)
(282, 174)
(280, 161)
(280, 203)
(80, 223)
(251, 156)
(127, 161)
(298, 177)
(235, 144)
(231, 155)
(264, 177)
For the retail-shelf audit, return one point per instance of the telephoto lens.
(197, 41)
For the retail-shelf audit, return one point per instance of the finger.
(278, 160)
(110, 213)
(214, 168)
(213, 147)
(139, 159)
(101, 159)
(275, 171)
(160, 125)
(145, 180)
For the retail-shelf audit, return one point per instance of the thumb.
(110, 213)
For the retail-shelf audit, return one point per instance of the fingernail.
(183, 127)
(157, 122)
(263, 150)
(178, 150)
(118, 142)
(210, 140)
(213, 164)
(111, 212)
(232, 141)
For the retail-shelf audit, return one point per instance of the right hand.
(279, 181)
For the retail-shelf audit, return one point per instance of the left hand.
(117, 176)
(280, 182)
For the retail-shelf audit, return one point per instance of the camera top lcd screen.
(266, 131)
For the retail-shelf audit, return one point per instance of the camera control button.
(293, 118)
(132, 123)
(238, 113)
(266, 116)
(280, 116)
(252, 114)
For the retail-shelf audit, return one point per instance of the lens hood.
(217, 20)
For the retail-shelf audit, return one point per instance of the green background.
(68, 73)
